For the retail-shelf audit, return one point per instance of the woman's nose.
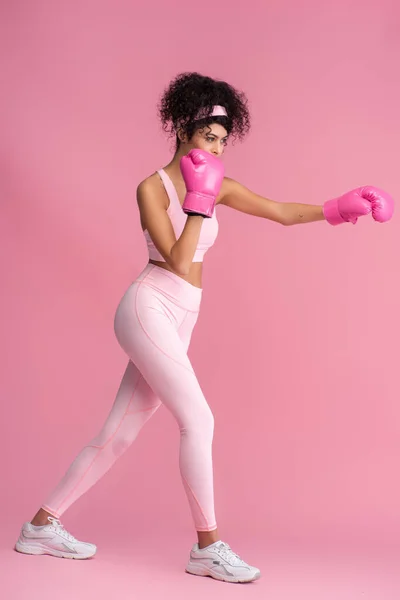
(218, 150)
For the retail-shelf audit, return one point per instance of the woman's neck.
(173, 167)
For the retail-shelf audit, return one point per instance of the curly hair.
(190, 93)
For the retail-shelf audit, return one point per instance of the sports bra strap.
(169, 187)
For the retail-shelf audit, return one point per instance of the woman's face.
(213, 138)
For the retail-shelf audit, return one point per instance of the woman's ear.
(181, 135)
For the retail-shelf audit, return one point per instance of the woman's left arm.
(345, 209)
(237, 196)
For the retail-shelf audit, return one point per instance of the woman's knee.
(199, 422)
(114, 440)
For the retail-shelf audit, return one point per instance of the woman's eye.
(211, 140)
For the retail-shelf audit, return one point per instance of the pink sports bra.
(209, 228)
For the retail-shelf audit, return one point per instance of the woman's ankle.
(206, 538)
(41, 518)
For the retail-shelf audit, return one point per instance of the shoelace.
(226, 552)
(56, 523)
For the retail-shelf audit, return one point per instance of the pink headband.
(217, 111)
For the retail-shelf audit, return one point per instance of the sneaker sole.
(203, 571)
(39, 549)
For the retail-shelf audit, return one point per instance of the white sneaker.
(220, 562)
(52, 539)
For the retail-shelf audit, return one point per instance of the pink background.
(296, 347)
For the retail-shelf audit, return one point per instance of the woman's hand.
(357, 203)
(203, 174)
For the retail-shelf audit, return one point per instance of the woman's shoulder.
(151, 186)
(152, 181)
(226, 187)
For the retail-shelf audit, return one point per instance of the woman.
(156, 316)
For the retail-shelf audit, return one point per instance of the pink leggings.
(153, 324)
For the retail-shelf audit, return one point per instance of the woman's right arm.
(179, 253)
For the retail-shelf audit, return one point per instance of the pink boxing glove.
(203, 174)
(359, 202)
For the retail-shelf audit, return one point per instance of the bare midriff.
(194, 276)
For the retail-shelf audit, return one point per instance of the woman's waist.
(194, 277)
(172, 286)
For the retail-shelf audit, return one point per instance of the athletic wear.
(208, 232)
(52, 539)
(220, 562)
(153, 324)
